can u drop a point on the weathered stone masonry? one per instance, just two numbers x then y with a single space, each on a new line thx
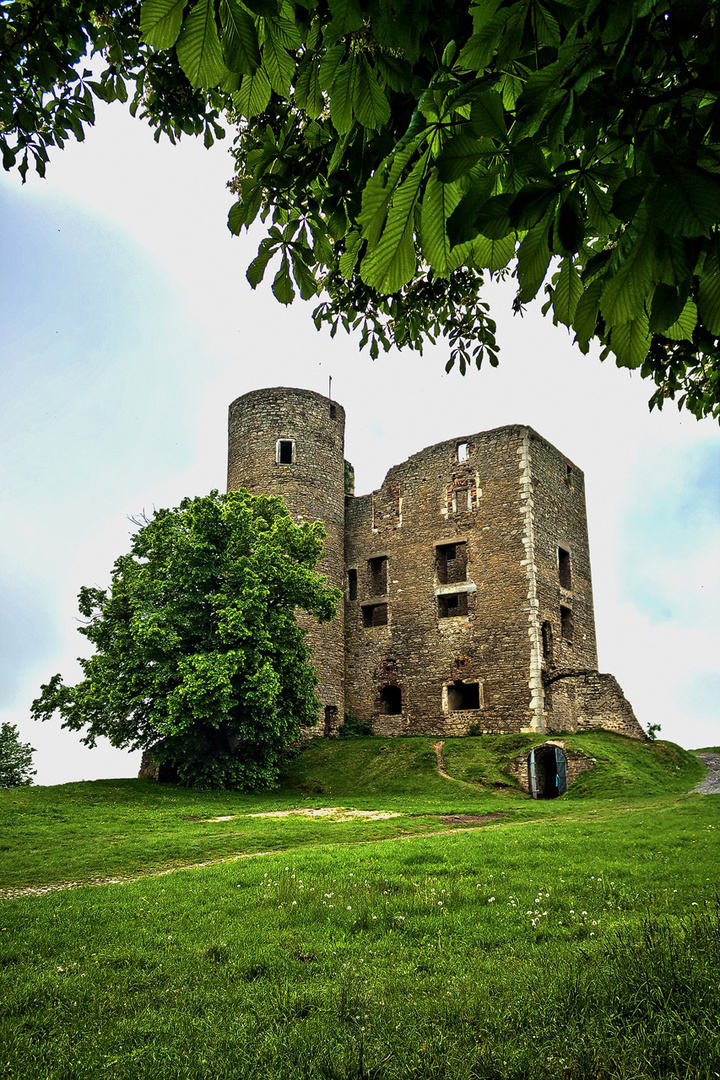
468 596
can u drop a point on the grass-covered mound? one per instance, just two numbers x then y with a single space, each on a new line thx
369 767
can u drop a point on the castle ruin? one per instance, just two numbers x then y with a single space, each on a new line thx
466 576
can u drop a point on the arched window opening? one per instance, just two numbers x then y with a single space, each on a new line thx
391 700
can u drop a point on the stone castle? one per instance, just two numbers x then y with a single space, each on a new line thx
466 577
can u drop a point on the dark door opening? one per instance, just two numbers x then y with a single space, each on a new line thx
548 772
391 700
330 728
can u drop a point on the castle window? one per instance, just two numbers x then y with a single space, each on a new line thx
462 451
332 412
452 604
375 615
451 563
391 701
547 642
564 570
569 476
377 575
352 584
285 451
463 696
566 624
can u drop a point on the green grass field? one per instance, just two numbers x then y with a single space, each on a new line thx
574 938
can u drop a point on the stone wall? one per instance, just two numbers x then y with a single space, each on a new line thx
588 699
454 631
290 443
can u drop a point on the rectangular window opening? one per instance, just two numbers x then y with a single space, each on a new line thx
285 451
377 575
566 624
462 451
451 563
452 604
463 696
564 570
375 615
352 584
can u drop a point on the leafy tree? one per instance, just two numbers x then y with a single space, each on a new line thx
15 759
401 152
198 653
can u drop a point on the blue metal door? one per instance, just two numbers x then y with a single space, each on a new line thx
533 781
561 765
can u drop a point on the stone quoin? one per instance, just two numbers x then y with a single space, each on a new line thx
466 576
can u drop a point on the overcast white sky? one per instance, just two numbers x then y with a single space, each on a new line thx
127 329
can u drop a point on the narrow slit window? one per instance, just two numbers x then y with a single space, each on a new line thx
547 642
564 569
462 451
377 575
566 624
352 584
285 451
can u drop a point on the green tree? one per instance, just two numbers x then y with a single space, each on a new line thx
402 152
15 759
198 653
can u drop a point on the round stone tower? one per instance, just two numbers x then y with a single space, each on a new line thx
290 443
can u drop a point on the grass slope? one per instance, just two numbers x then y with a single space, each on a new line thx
577 938
116 828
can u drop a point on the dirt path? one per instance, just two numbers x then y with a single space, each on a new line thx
711 784
437 747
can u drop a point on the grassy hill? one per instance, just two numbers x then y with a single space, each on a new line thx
574 938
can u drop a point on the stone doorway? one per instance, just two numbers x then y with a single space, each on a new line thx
547 768
331 724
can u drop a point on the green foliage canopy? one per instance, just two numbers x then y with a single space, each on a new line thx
400 152
15 759
198 652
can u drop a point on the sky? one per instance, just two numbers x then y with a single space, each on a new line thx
128 327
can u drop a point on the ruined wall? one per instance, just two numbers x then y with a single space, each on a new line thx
290 443
565 616
437 608
589 700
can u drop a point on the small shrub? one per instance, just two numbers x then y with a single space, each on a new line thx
352 728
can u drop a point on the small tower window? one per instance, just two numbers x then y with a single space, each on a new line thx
566 624
377 575
462 451
564 570
285 451
451 563
452 604
375 615
352 584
